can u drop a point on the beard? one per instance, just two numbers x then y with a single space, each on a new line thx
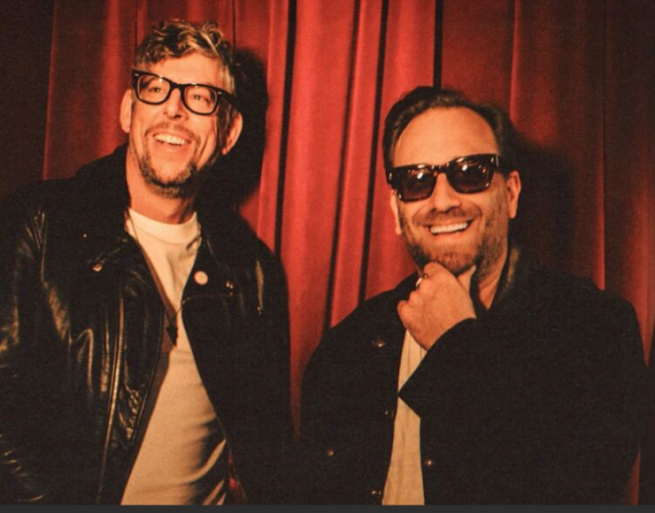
483 253
185 181
184 185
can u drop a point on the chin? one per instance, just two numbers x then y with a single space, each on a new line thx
456 264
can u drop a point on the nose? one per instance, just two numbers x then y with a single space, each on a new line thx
174 107
444 197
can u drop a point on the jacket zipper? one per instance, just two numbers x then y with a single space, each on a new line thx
114 394
144 402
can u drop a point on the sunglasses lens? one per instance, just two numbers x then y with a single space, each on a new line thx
416 184
465 174
470 175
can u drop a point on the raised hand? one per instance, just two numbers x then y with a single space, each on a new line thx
440 301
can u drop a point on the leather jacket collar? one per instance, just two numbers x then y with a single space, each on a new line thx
103 183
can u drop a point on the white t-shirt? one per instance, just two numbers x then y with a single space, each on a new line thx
404 484
181 457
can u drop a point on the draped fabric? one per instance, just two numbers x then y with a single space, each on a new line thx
575 75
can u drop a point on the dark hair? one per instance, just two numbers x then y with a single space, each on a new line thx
424 98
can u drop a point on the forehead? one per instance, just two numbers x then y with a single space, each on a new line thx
191 68
442 134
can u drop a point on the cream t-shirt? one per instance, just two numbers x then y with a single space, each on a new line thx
404 485
181 458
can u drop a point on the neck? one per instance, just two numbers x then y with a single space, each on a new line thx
164 210
149 203
489 280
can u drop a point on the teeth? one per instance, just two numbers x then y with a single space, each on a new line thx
449 228
170 139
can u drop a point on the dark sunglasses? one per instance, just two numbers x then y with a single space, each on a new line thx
469 174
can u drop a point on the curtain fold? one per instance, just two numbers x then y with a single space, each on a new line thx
576 75
629 155
25 38
91 54
408 62
477 49
323 61
556 106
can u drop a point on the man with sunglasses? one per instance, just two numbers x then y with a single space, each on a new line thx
483 378
143 326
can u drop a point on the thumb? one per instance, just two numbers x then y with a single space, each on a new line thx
400 308
464 279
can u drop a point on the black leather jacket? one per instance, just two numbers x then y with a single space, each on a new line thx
80 330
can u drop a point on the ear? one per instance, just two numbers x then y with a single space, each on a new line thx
233 134
393 202
126 111
513 186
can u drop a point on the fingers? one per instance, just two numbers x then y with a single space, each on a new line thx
433 271
410 313
433 268
406 314
439 302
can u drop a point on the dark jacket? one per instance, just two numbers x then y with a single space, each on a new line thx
536 401
647 454
80 332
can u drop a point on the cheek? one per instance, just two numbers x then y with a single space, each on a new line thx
498 213
137 134
210 138
410 216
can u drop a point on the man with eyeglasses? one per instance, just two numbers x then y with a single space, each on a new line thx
143 327
483 378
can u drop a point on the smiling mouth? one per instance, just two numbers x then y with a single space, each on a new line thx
171 139
449 228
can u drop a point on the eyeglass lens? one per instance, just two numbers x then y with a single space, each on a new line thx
197 98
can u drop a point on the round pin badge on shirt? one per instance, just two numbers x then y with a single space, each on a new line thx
201 278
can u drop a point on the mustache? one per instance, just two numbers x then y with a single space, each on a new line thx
174 127
453 214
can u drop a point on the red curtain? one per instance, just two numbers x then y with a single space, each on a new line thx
576 75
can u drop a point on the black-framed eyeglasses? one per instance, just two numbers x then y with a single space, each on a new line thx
200 99
469 174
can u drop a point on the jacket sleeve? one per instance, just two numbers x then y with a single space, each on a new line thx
276 483
558 422
19 298
449 363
